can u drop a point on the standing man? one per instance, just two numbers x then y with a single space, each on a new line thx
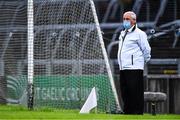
134 52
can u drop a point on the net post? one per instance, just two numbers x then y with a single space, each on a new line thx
105 55
30 38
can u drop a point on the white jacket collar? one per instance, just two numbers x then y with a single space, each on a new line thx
132 28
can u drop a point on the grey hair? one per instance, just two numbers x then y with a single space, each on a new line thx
133 15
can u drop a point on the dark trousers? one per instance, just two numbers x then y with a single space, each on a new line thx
132 91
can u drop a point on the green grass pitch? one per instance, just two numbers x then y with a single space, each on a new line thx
10 112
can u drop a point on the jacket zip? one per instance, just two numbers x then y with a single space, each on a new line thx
120 55
121 48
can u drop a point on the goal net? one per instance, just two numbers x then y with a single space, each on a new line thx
68 58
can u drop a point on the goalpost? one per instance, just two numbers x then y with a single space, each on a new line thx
30 39
105 56
66 56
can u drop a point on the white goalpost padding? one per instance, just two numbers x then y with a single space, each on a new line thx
105 55
30 54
